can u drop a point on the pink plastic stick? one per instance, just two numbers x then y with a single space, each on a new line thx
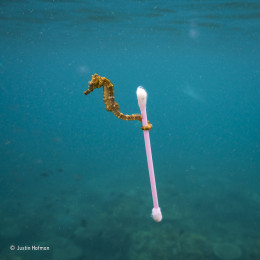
156 212
149 159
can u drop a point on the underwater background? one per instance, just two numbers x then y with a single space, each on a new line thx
74 178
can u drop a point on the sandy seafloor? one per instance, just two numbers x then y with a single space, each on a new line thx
74 178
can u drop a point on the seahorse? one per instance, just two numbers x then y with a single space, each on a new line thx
109 99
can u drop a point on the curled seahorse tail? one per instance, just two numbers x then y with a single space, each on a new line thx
120 115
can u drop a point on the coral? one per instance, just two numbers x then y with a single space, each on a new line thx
227 251
168 242
193 246
67 253
255 251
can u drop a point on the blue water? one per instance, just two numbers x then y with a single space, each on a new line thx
74 178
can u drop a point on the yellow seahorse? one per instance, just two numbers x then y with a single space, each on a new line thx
109 99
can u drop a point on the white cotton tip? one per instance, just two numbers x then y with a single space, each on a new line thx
157 214
141 97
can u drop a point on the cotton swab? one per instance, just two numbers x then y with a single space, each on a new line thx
142 99
112 106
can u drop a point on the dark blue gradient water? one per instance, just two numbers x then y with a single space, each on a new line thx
74 178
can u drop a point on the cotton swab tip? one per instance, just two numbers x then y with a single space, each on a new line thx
141 97
157 214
